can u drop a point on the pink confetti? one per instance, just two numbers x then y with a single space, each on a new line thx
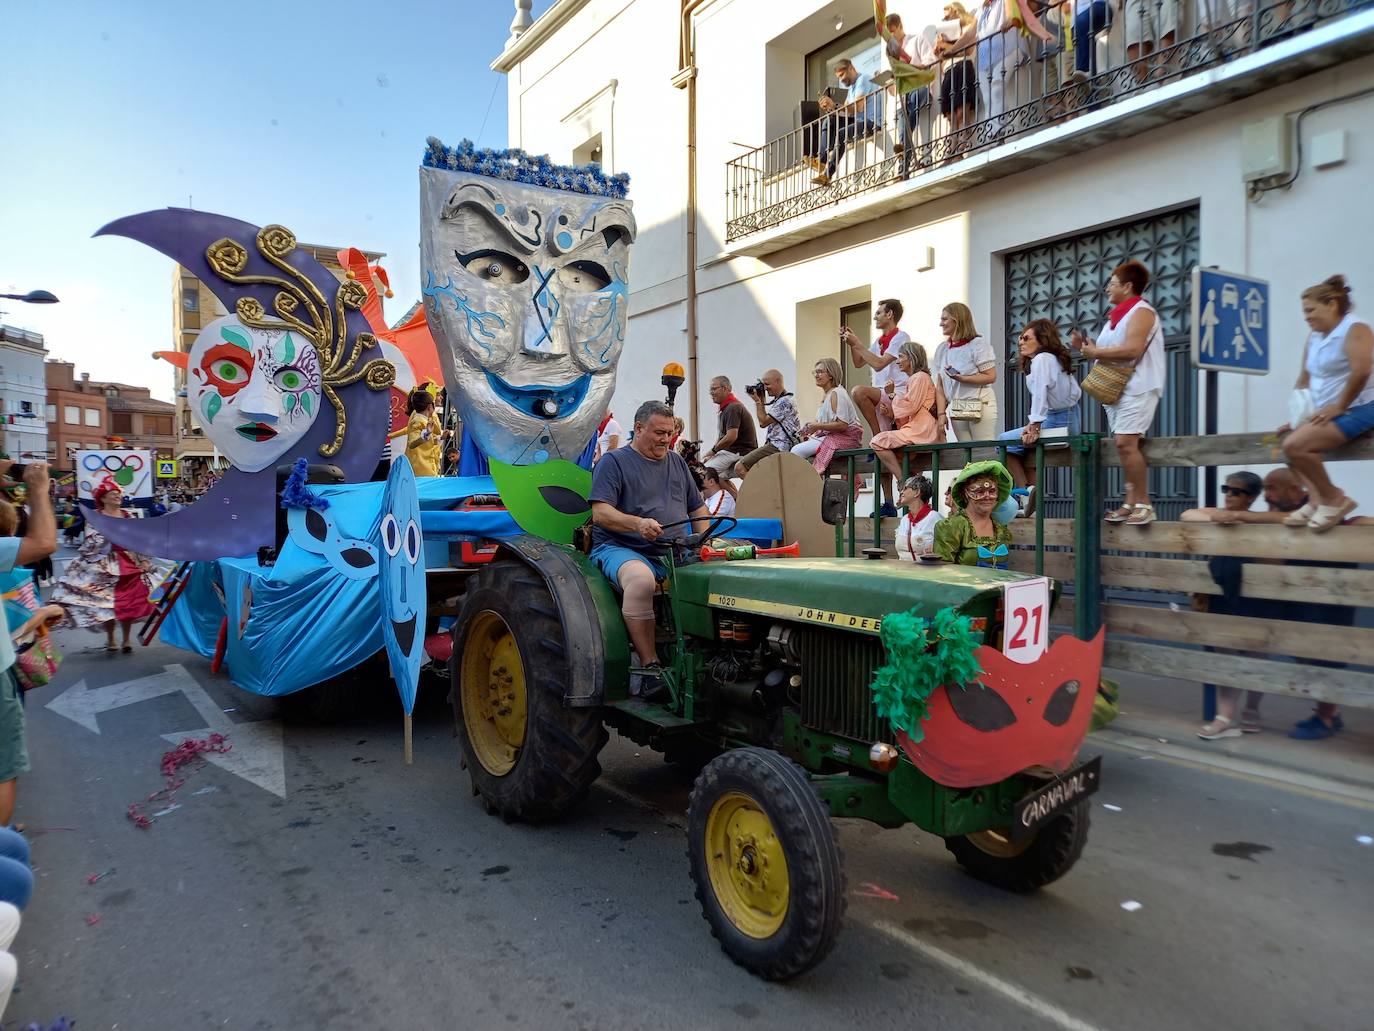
869 890
92 919
190 754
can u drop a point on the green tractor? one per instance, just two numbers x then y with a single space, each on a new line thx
769 664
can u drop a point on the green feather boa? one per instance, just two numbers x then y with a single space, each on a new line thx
922 655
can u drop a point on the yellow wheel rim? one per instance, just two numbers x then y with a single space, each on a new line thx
493 694
998 843
747 866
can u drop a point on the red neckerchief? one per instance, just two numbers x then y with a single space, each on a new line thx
604 423
960 343
912 520
925 511
886 339
729 400
1119 312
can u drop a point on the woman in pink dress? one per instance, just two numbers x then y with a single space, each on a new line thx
105 584
915 412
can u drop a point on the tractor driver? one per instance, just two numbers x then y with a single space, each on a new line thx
638 492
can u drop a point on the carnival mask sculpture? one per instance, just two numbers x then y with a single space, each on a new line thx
526 288
255 392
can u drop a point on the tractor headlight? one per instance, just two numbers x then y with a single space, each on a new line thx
883 757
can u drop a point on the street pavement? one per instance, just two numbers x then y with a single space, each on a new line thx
379 895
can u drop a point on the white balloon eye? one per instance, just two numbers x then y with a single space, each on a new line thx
412 542
391 534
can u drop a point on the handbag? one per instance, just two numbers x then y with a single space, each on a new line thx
37 664
1106 381
966 409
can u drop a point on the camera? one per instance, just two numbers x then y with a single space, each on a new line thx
755 390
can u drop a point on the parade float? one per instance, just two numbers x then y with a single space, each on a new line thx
801 687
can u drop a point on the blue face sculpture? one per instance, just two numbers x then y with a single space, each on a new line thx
402 579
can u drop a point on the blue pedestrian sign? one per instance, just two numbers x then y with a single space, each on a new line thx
1230 322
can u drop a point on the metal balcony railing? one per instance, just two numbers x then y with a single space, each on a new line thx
1000 87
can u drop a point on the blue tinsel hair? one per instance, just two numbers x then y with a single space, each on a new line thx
514 165
295 494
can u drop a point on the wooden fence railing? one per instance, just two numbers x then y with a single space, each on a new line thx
1139 581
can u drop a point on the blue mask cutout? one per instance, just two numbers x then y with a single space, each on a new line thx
404 595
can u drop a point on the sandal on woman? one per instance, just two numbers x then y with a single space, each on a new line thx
1222 726
1329 516
1250 721
1302 516
1119 515
1142 516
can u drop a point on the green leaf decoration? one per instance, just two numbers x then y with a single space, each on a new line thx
124 476
290 403
212 405
306 403
235 338
290 350
921 656
544 499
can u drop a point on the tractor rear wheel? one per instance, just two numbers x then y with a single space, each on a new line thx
529 756
765 861
994 857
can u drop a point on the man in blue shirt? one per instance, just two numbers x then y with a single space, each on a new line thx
861 115
39 542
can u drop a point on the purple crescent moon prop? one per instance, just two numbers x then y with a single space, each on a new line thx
238 515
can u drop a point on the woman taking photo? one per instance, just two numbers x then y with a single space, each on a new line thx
105 584
965 369
971 537
1048 370
1336 369
915 413
424 433
836 427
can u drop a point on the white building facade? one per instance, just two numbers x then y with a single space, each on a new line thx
23 394
1249 156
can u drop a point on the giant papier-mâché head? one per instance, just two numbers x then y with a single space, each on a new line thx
526 289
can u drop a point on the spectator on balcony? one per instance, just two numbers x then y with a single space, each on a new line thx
914 411
888 377
1001 31
959 81
836 426
1131 338
861 115
737 436
918 51
1337 362
915 535
1048 370
965 371
776 411
1090 17
1150 25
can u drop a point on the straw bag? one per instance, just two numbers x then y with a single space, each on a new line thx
1107 381
37 664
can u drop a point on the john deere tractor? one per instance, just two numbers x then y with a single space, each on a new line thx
768 664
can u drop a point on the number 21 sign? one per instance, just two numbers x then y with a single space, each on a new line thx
1026 622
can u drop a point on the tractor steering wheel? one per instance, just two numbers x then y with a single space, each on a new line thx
689 544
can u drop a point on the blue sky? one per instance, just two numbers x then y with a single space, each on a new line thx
265 111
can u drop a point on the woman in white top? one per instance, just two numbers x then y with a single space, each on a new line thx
965 368
1336 368
719 499
916 529
1048 368
836 426
1132 335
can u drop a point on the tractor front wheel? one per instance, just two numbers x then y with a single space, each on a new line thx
994 857
529 756
765 862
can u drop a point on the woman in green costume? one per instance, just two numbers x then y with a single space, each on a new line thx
971 537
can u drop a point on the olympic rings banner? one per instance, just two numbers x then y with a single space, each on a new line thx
131 471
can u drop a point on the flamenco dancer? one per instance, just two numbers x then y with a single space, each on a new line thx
105 584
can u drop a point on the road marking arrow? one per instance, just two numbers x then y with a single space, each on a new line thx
256 755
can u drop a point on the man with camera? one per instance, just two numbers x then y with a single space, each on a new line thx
777 414
736 428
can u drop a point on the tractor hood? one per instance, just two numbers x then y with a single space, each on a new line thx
849 594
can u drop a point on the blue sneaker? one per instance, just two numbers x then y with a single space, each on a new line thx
1314 729
888 511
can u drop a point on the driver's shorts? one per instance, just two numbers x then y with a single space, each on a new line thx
610 557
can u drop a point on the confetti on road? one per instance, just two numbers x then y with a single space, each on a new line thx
206 791
92 919
1364 839
1131 906
170 809
869 890
95 877
1111 808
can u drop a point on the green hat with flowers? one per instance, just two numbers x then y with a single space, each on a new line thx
976 470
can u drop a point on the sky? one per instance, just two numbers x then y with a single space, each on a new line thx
257 110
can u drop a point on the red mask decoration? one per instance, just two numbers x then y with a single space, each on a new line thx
1022 716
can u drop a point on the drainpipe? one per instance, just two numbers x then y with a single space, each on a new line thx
686 78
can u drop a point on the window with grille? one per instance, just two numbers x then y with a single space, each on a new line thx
1065 280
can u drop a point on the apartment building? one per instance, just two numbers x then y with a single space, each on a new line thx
23 394
1240 139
